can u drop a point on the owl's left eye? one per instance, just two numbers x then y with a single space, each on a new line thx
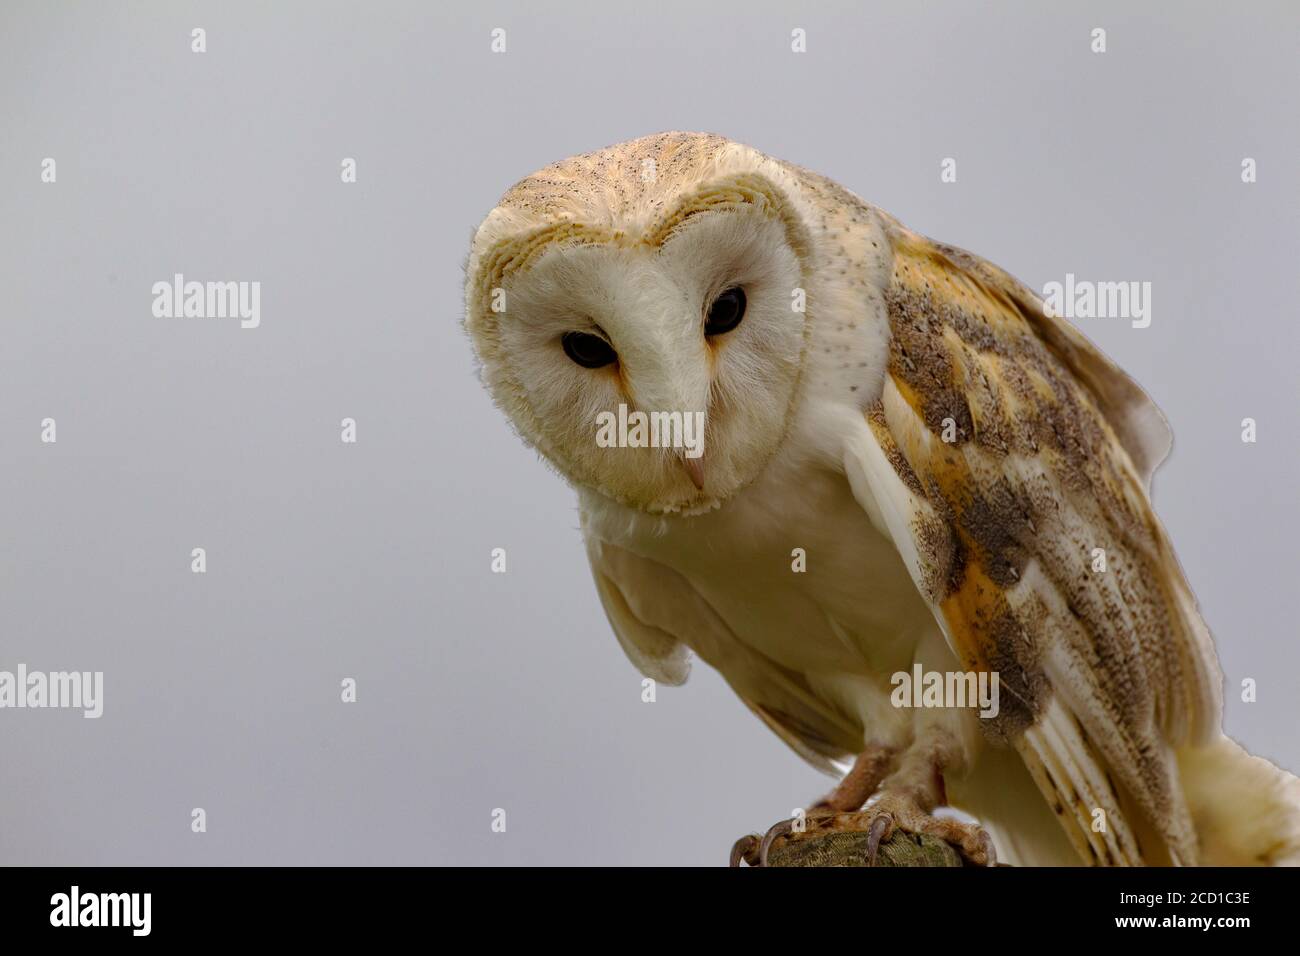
726 312
589 351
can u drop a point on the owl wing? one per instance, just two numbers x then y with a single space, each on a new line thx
656 614
1008 459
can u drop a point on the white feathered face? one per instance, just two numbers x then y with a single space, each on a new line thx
697 328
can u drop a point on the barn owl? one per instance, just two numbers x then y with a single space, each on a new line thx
908 466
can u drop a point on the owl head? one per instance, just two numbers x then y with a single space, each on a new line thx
664 276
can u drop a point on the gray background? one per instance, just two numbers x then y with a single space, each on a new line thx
327 560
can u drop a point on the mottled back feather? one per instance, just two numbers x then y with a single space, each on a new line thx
1008 517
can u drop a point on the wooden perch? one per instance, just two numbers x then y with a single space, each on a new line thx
847 848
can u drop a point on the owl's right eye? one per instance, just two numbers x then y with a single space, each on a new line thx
589 351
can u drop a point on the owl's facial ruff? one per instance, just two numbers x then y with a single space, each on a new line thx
647 292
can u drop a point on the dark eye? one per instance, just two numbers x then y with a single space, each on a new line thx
726 312
589 351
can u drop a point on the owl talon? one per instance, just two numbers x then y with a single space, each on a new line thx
897 811
779 830
880 822
746 848
882 827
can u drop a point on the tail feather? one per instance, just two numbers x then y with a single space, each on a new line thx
1001 794
1246 811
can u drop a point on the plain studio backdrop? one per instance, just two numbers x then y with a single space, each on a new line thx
479 691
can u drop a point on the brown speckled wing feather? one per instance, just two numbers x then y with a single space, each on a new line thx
1050 448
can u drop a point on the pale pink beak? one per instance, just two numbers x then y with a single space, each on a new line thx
695 468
